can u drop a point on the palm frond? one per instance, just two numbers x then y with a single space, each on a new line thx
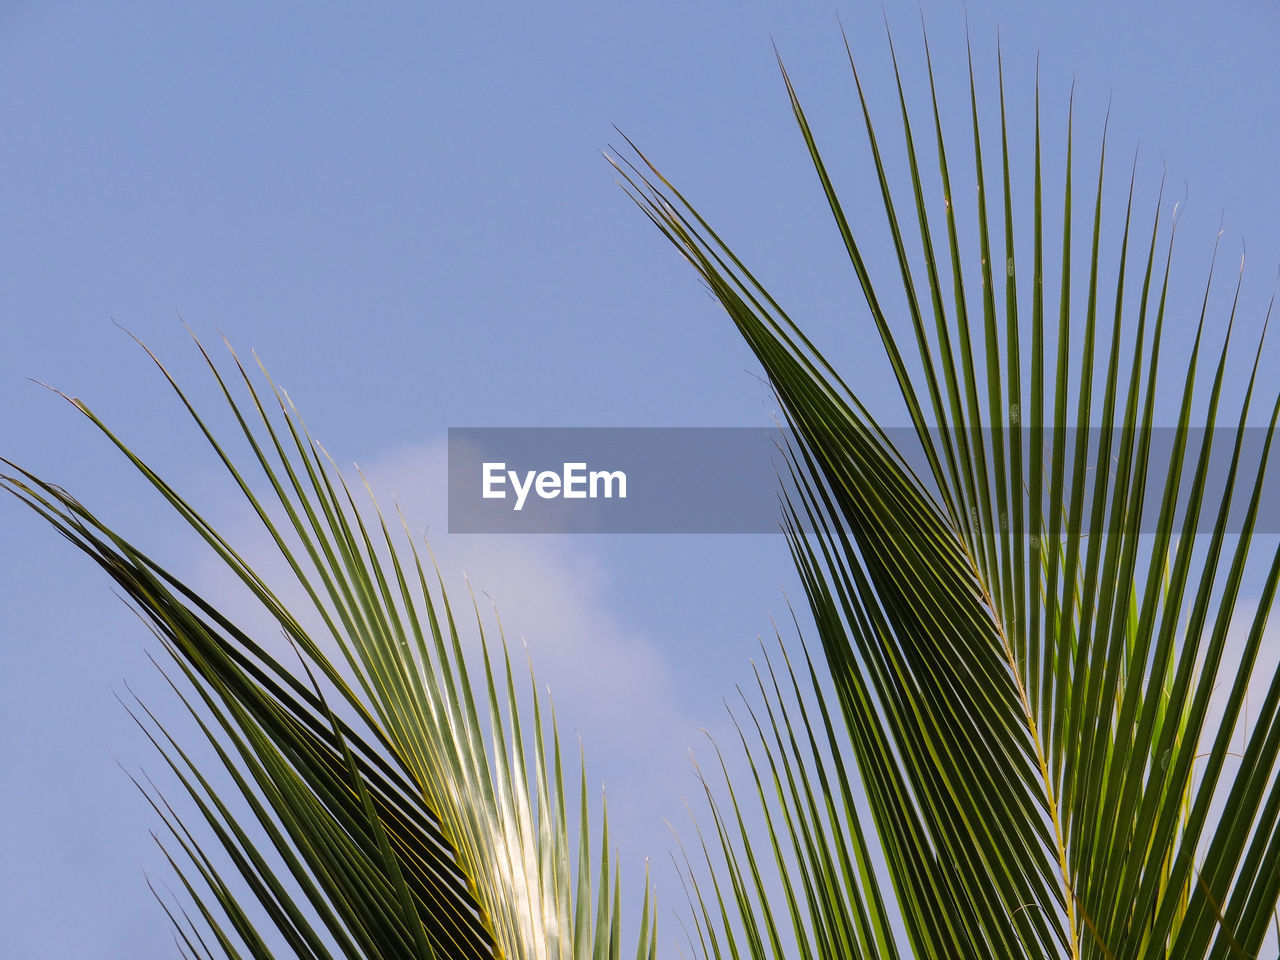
1022 662
1005 747
413 808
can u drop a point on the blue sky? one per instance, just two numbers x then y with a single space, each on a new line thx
405 212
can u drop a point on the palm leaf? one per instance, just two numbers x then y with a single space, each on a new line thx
1003 749
1021 662
412 809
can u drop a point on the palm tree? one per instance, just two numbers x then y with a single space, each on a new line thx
1004 748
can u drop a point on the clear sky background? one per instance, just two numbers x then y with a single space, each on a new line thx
403 209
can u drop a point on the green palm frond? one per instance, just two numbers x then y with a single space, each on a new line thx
1020 665
413 809
996 741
